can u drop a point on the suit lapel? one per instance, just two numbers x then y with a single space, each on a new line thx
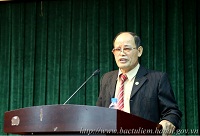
139 80
113 81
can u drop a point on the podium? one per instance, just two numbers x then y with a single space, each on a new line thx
75 119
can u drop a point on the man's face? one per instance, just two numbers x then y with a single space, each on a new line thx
126 60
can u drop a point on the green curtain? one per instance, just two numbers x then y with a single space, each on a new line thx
49 48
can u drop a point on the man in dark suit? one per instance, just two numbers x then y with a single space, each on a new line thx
146 93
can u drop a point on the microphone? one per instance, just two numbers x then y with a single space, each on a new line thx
96 72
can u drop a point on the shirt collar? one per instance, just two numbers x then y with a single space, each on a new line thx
131 74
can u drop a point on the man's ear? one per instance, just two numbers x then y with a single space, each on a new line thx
140 51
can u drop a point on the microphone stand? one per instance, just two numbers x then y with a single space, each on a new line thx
95 73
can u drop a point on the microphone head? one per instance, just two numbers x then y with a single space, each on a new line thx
96 72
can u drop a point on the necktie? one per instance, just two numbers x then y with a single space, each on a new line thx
120 95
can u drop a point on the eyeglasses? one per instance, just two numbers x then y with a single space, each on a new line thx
125 50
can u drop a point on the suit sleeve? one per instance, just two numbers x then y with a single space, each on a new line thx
101 94
167 104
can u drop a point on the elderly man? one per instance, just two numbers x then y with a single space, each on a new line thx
140 91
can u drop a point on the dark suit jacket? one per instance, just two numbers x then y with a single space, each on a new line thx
152 99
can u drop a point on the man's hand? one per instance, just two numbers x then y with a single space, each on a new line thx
168 127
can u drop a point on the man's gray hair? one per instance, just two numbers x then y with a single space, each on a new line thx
135 36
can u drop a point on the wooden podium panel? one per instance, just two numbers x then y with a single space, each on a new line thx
73 119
